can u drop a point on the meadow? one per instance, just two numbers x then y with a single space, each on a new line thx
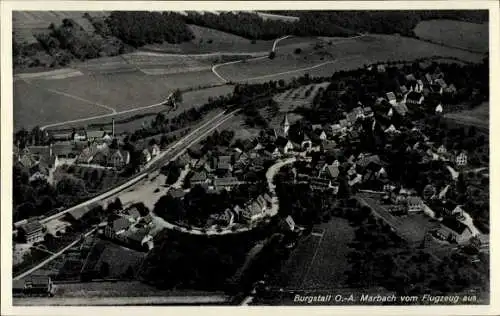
322 58
459 34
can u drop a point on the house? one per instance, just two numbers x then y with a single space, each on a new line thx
454 231
226 183
87 154
306 143
428 78
442 150
224 164
481 242
410 78
101 157
328 145
355 179
415 204
367 112
358 111
176 193
31 232
252 212
199 177
119 159
451 89
61 137
439 109
403 89
391 97
39 285
381 68
414 98
419 86
344 124
154 150
400 108
335 129
80 136
318 127
64 150
114 229
461 159
330 171
320 184
284 145
323 136
392 130
96 135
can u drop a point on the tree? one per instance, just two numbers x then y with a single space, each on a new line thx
298 51
272 55
177 96
104 270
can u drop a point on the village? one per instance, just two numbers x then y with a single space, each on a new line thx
330 157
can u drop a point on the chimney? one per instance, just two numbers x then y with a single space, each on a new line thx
113 127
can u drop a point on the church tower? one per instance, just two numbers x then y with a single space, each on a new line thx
285 125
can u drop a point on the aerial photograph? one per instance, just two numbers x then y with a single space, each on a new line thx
250 158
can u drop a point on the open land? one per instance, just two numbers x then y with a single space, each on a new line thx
325 59
319 261
470 36
478 117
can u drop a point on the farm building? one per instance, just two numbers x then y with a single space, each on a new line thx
31 232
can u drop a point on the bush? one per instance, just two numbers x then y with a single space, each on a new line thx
298 51
272 55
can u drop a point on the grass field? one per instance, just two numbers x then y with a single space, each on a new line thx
36 106
49 101
319 261
209 40
324 59
27 23
471 36
190 100
479 116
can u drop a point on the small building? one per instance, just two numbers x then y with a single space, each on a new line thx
461 159
114 229
481 242
145 155
439 109
403 89
415 204
442 150
400 108
119 159
391 97
199 177
454 231
414 98
367 112
284 145
320 184
226 183
330 171
33 286
31 232
224 164
380 68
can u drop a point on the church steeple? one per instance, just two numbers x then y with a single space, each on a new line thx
285 125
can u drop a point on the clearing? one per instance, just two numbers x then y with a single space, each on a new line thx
459 34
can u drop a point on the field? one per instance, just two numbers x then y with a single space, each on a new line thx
144 116
27 23
469 36
36 106
43 101
324 59
209 40
300 97
319 261
478 116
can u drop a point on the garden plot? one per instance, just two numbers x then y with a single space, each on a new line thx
300 97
